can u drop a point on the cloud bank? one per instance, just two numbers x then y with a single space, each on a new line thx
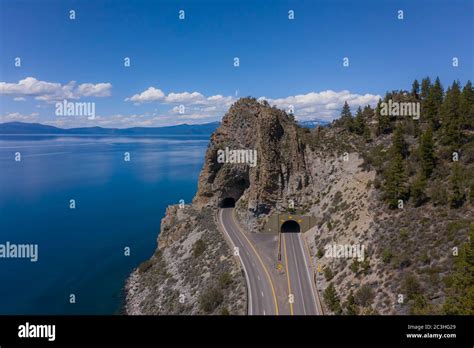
53 91
194 105
170 108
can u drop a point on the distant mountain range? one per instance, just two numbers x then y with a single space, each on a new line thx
182 129
314 123
36 128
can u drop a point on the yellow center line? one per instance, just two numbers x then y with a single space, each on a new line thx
261 261
287 273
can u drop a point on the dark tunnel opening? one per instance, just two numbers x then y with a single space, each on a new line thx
290 226
227 202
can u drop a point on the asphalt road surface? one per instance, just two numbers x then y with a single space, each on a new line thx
299 274
262 297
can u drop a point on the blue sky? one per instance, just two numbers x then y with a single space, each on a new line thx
190 62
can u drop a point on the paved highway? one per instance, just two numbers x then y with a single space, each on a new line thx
262 297
302 293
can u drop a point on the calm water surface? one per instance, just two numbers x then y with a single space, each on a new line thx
119 204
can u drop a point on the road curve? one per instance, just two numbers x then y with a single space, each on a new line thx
299 273
262 297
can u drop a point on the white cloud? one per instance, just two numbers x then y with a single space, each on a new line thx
153 94
97 90
325 104
19 117
53 91
196 105
150 95
185 98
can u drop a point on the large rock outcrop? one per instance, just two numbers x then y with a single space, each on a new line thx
281 167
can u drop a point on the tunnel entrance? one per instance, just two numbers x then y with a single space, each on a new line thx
228 202
290 226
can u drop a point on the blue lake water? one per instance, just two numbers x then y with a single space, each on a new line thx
119 204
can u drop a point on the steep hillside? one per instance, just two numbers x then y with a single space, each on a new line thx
191 272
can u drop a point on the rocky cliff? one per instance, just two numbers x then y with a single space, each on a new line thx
281 167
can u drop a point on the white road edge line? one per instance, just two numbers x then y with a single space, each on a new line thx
311 281
250 309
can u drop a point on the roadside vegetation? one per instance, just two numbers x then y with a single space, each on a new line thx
424 184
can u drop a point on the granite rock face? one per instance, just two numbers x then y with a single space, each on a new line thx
281 165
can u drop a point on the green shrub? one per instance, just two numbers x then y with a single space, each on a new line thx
471 193
320 253
354 267
438 194
328 273
411 286
366 265
225 311
329 225
144 266
387 255
351 306
417 191
364 296
377 183
210 300
199 248
225 279
403 233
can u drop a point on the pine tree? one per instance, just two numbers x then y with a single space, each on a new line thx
432 104
457 196
358 121
399 146
368 114
425 88
351 306
460 285
396 181
360 124
383 121
427 154
415 89
416 128
417 190
332 299
467 106
451 117
346 117
437 92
